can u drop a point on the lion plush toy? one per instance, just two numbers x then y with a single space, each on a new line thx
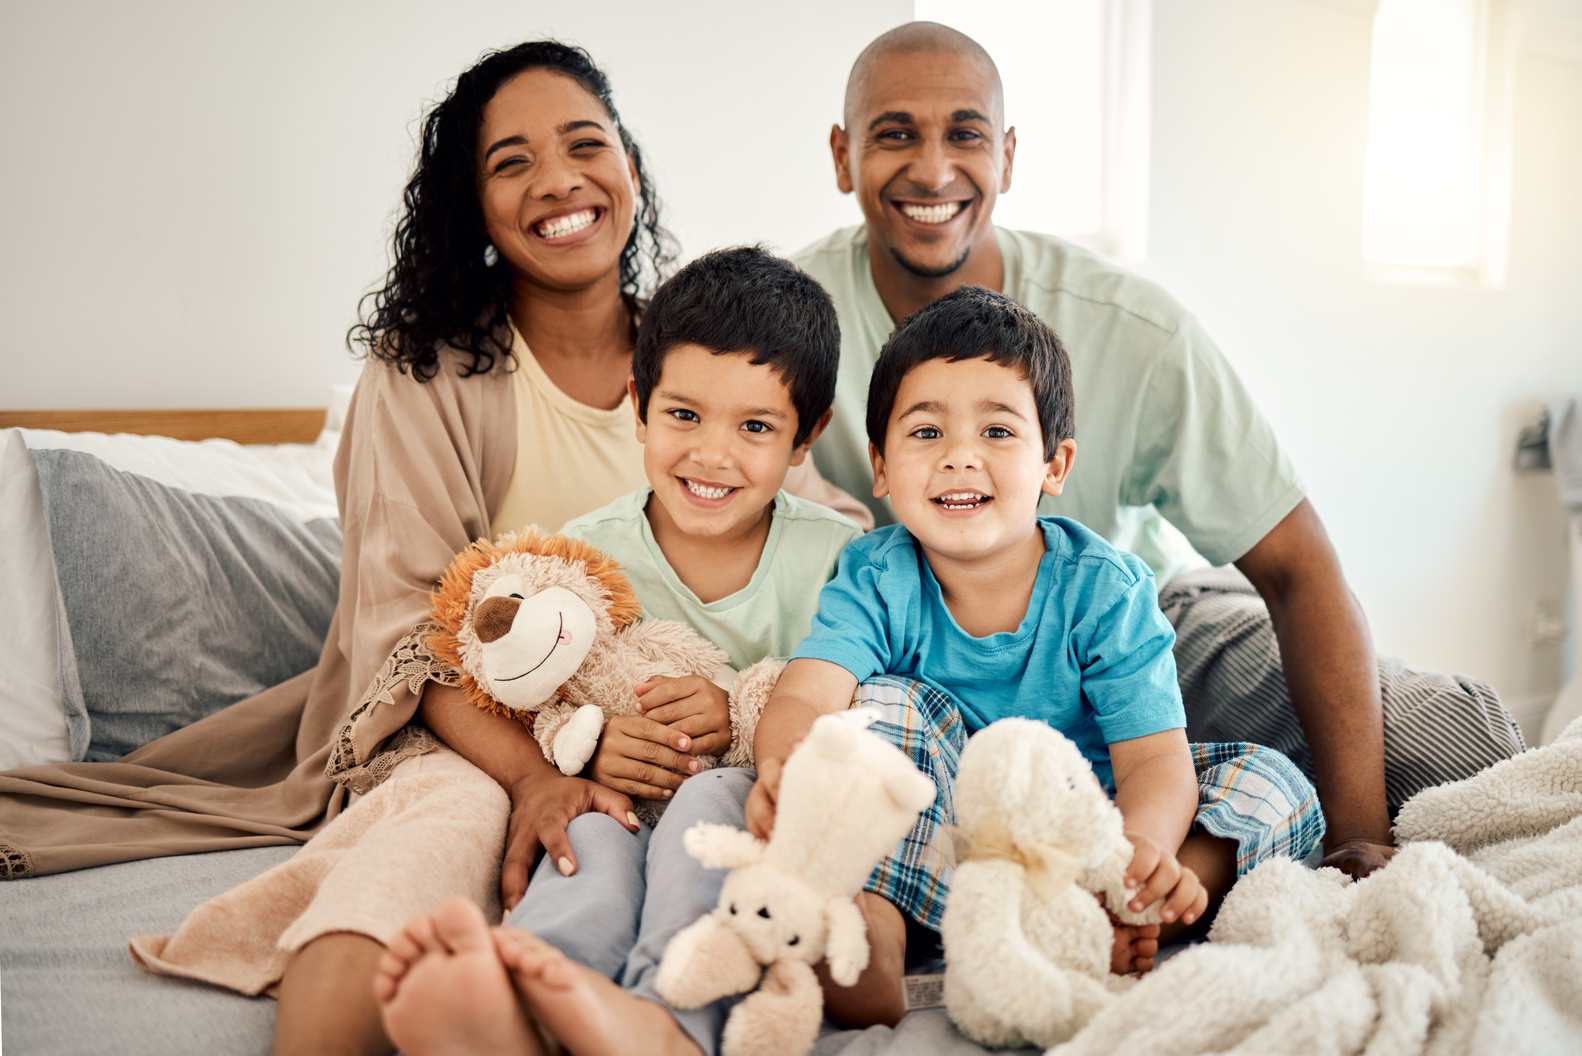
1027 946
846 798
547 630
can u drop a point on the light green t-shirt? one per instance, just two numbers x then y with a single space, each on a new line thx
1164 426
770 615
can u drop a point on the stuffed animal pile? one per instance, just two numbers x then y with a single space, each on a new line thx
1027 946
846 798
546 629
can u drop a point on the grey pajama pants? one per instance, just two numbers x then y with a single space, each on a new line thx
631 893
1437 728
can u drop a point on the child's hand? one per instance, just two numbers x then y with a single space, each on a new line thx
642 758
763 797
691 704
1154 874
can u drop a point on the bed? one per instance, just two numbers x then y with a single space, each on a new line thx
67 984
1491 959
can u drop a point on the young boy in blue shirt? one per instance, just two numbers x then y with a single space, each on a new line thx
974 608
732 380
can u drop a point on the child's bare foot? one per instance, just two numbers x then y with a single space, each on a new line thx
1134 949
1135 944
442 989
584 1011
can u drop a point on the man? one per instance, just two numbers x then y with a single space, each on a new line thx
1172 443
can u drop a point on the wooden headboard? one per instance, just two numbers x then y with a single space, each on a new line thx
271 425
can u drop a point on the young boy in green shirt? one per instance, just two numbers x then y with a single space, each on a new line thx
732 381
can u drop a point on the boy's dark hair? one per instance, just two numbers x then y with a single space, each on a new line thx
748 301
971 322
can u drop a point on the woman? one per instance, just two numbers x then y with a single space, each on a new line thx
494 396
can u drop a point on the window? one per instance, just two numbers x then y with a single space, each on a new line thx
1076 90
1435 199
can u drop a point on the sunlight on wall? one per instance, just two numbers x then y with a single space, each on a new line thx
1420 203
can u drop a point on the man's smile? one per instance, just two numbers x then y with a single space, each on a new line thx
938 213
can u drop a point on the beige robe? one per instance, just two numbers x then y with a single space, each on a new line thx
419 471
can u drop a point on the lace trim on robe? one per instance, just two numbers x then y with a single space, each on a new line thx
412 663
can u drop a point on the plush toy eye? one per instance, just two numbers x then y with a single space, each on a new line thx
733 909
763 911
518 597
794 940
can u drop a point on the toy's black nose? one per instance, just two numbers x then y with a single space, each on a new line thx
763 911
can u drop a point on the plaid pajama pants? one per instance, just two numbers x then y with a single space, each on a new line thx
1246 793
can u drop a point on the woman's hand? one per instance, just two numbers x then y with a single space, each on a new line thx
642 758
542 805
691 704
543 800
1154 874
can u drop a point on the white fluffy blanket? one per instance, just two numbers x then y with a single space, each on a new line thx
1469 941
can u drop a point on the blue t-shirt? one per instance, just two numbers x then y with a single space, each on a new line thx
1092 657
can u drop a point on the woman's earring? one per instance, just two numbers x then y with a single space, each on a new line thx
491 256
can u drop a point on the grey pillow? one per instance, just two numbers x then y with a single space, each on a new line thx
172 604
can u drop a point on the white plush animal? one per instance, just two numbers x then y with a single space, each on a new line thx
1027 946
846 798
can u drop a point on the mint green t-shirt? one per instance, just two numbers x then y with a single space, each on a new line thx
766 618
1172 454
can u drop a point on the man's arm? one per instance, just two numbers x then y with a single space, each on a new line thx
1333 677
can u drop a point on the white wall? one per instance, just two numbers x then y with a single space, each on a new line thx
193 196
1400 404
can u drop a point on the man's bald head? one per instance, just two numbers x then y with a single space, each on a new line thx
919 38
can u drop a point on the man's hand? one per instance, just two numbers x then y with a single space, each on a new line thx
763 797
1154 874
692 705
642 758
1358 858
542 805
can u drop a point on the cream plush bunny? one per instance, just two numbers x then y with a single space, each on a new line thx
1027 946
546 629
846 798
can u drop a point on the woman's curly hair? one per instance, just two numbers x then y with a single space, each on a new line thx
440 291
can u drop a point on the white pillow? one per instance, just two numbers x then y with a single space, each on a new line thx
34 727
32 714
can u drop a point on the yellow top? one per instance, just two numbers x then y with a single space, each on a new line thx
570 458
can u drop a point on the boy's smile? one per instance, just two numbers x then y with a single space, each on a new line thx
963 460
717 443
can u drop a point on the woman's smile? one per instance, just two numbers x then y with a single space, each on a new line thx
560 227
